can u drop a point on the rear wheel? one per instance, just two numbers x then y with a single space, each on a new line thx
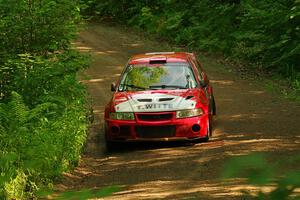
213 105
209 131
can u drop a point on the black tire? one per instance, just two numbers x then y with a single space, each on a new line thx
213 105
206 139
111 146
209 128
209 132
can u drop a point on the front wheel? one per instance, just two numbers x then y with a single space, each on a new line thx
110 146
209 132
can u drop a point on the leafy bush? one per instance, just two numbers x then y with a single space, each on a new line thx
42 133
259 171
37 26
42 105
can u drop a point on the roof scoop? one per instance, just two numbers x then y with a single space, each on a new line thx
159 53
158 60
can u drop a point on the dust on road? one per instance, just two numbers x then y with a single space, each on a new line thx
248 120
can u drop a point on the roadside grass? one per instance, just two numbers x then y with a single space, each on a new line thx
286 88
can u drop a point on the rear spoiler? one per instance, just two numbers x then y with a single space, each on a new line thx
159 53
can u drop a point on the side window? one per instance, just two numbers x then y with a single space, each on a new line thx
202 74
198 70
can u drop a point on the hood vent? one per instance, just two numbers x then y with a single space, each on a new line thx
165 99
189 97
144 100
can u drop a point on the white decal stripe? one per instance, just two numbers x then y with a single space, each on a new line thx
133 105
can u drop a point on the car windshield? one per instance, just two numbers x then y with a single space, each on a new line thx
157 76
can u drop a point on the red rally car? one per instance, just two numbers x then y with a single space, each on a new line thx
160 96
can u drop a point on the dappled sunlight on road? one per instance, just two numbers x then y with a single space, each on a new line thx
161 162
83 48
96 80
222 82
105 52
132 44
257 92
248 120
243 116
188 190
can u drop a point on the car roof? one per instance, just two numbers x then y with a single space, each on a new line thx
160 56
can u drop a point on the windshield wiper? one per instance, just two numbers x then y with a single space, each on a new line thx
133 86
167 86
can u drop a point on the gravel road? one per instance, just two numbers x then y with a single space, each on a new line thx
249 119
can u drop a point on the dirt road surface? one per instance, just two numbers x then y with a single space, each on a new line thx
249 119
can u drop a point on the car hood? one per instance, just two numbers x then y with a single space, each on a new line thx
155 101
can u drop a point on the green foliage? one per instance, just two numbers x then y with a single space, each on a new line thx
259 171
37 26
20 187
263 33
45 140
42 105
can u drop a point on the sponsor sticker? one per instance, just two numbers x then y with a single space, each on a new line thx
154 106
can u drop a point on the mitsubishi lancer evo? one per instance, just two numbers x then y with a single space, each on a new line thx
161 96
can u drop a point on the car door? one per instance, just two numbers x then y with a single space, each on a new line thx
204 82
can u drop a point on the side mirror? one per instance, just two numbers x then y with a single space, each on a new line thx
113 87
204 80
203 83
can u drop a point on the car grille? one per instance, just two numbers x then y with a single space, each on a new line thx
155 117
155 131
125 131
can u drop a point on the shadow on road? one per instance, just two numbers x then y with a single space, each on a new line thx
142 146
248 120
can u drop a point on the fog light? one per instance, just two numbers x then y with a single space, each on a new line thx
115 130
196 128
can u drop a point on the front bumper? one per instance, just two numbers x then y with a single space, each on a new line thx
157 130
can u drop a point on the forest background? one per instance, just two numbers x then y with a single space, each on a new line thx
43 107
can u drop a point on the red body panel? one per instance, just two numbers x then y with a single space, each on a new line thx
162 122
183 128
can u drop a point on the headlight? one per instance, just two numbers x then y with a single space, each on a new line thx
121 116
189 113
